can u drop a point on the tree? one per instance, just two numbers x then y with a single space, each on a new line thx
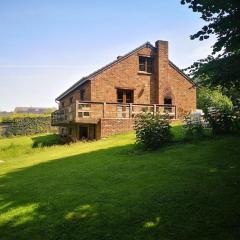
222 67
207 98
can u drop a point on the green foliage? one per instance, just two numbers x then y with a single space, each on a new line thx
27 125
222 18
46 140
223 21
23 115
223 121
194 127
207 98
152 130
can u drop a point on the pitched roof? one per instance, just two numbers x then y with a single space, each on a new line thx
120 58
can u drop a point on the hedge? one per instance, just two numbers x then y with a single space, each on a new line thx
15 126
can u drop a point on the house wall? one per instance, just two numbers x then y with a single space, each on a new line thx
125 74
110 127
182 92
165 81
76 95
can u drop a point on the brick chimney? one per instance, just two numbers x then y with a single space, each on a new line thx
161 69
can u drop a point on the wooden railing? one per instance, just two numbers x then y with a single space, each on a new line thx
91 112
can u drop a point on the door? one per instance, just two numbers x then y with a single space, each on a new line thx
123 98
83 132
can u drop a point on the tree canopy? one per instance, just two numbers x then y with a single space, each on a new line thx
222 19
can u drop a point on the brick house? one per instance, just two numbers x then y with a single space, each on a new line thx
106 101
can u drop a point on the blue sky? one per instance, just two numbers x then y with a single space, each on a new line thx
47 45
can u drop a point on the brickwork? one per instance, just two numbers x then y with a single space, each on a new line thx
125 74
182 91
166 81
115 126
75 95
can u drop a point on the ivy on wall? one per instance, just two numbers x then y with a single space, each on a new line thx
26 125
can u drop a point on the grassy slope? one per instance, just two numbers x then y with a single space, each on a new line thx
101 190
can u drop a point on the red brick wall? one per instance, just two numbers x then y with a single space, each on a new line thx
109 127
161 65
125 74
148 88
76 95
183 92
166 81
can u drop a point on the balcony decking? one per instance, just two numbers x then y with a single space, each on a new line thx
91 112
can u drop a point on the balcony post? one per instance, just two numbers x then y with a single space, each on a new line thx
154 109
104 109
130 110
76 110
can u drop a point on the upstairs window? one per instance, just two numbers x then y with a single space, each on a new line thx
62 104
71 100
145 64
82 95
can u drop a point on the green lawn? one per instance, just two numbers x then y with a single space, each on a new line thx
105 190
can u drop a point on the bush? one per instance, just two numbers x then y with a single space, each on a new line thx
16 126
152 130
236 119
223 121
207 98
194 127
46 141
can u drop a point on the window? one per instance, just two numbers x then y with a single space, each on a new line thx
129 96
71 100
145 64
82 94
168 104
124 96
119 96
149 65
62 104
84 114
142 64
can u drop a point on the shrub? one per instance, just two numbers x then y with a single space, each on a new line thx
27 125
236 119
223 121
194 127
46 140
207 98
152 130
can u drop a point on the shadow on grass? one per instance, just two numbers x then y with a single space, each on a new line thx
46 141
108 194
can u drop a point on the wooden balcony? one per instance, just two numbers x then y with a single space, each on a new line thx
92 112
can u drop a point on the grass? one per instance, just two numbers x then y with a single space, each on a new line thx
102 190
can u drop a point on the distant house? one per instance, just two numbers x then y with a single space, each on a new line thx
32 110
106 101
